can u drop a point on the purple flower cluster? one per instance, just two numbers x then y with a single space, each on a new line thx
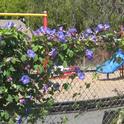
90 33
89 54
54 86
31 53
102 27
59 35
9 79
45 88
22 101
9 25
19 119
25 79
72 32
53 53
79 73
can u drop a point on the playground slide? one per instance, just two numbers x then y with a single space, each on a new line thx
113 64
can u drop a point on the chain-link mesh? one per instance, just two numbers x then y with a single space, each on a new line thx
94 98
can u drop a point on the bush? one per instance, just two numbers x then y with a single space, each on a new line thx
25 71
26 67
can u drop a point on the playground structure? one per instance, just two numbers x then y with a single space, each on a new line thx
113 64
44 15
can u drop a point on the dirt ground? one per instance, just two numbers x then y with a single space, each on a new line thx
94 86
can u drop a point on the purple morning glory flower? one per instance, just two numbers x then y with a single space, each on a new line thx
53 52
25 79
37 33
72 30
77 69
9 25
93 38
42 30
81 75
68 34
48 31
61 36
62 39
106 26
31 53
9 79
60 33
52 32
89 31
89 54
22 101
61 28
85 35
19 120
100 27
45 88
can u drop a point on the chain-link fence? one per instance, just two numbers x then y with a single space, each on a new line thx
94 100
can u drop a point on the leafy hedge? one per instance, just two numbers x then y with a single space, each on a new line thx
26 67
25 71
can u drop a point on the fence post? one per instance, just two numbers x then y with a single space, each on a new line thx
45 21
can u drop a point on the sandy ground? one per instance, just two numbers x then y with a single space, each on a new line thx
94 86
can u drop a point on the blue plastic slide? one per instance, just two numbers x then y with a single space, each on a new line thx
113 64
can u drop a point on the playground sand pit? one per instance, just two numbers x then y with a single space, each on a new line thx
94 86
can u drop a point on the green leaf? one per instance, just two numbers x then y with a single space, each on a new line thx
41 68
65 64
2 43
36 58
9 98
5 114
36 66
65 46
70 53
95 76
87 85
16 98
6 73
75 94
11 121
12 69
14 60
50 102
3 89
35 48
23 58
66 86
61 57
50 44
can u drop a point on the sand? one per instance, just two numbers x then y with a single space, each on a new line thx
94 86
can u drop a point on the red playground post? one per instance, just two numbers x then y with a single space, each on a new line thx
45 20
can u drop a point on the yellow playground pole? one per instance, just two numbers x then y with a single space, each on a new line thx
45 21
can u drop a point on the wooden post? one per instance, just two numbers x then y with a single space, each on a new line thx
107 75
